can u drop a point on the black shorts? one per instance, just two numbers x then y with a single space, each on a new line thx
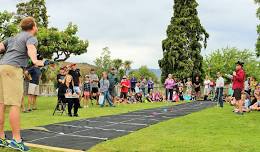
94 90
112 92
237 94
197 89
123 95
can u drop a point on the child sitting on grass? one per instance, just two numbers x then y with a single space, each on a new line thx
256 106
151 96
131 98
175 97
245 97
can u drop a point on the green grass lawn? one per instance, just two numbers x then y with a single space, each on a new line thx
211 130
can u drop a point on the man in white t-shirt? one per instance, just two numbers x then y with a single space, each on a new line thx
220 86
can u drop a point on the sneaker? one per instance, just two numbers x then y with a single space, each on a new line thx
18 146
239 113
3 143
76 115
70 115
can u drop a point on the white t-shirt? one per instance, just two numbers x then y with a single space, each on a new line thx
220 82
206 83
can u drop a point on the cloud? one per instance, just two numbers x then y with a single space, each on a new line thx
134 29
229 23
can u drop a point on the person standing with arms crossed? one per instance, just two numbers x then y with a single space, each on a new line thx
17 51
238 85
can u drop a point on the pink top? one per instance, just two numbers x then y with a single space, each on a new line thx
169 83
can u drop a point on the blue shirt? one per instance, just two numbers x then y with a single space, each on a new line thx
150 84
35 73
133 82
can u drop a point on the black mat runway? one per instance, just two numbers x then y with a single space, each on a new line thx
85 133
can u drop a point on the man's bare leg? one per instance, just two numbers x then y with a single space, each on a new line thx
2 120
29 101
15 122
34 102
240 106
23 105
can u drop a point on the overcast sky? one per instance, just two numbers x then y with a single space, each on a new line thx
134 29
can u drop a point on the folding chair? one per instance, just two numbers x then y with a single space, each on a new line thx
60 107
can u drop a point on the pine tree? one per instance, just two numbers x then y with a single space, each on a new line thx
258 30
182 47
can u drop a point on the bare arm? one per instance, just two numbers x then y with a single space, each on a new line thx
61 81
32 53
27 75
2 48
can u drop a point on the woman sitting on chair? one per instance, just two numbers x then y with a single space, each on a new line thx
66 94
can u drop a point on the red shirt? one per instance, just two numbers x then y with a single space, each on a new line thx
125 86
239 79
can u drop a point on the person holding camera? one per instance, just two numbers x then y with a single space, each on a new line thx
68 95
17 51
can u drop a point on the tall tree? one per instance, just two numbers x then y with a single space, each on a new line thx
258 30
117 63
59 45
224 60
182 47
104 62
34 8
127 65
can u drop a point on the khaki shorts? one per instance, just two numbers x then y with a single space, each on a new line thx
11 85
33 89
